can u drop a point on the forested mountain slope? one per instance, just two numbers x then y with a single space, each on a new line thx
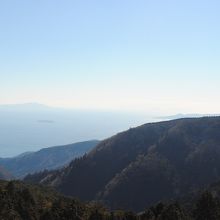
141 166
4 174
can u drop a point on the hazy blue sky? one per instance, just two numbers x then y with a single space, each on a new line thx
145 55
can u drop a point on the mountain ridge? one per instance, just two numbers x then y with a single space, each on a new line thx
170 158
47 158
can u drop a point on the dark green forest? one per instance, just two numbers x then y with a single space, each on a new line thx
19 201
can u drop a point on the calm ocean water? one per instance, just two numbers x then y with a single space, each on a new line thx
23 131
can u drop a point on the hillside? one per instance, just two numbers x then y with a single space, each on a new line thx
4 174
141 166
47 158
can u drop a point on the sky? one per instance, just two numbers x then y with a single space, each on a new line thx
122 55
